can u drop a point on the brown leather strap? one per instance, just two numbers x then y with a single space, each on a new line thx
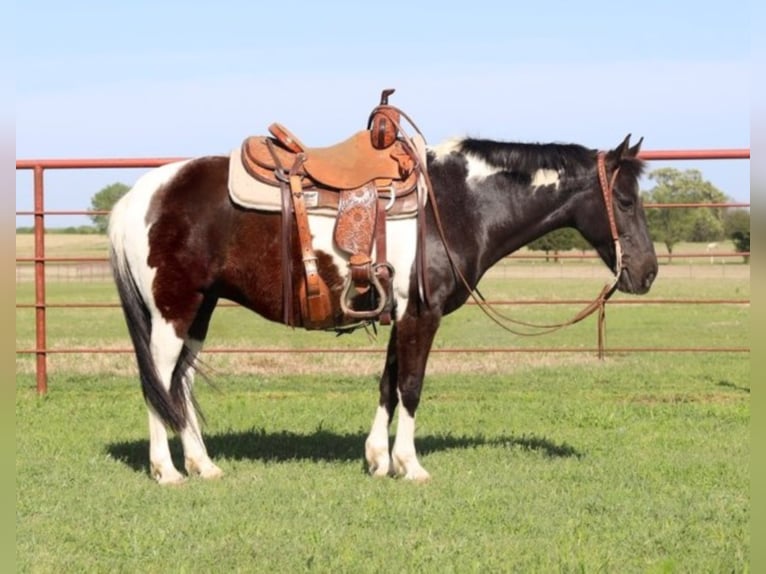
316 305
598 304
304 233
607 189
381 263
601 328
288 313
288 309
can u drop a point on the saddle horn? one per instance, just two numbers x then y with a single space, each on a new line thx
384 96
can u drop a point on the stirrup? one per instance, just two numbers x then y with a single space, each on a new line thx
346 296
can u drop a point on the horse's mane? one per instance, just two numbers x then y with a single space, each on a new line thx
528 157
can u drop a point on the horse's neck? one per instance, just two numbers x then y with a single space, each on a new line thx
531 214
505 219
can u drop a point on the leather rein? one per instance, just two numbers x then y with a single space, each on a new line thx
503 321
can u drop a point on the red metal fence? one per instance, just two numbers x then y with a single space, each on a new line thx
39 260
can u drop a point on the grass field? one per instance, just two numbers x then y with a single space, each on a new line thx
639 464
544 462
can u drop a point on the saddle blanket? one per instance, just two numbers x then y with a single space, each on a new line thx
248 192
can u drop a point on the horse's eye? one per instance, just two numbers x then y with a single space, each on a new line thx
625 202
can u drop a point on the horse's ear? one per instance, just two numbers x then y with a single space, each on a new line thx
623 149
633 152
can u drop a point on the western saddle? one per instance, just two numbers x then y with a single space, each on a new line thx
369 176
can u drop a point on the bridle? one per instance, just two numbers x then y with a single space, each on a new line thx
503 321
598 304
607 189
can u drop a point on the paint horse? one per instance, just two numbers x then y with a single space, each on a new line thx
179 244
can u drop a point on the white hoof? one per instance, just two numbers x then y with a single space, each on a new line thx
383 469
378 459
167 476
409 468
205 469
418 475
212 472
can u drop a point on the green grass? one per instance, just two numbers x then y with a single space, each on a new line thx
637 464
548 462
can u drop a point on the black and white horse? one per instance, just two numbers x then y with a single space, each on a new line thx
179 244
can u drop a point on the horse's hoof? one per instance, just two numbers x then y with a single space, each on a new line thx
171 480
166 475
411 470
211 473
380 471
420 477
207 470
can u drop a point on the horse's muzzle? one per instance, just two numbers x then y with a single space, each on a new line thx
628 284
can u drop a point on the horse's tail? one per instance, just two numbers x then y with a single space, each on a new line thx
171 406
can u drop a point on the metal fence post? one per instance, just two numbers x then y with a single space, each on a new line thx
41 351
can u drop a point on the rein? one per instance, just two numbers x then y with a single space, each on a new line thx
598 304
500 319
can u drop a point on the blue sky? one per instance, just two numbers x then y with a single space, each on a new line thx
146 79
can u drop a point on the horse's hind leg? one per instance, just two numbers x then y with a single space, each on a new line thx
171 353
196 459
166 349
175 358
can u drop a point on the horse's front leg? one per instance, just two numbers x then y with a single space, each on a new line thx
376 446
413 344
402 381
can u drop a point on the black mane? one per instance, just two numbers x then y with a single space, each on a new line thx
528 157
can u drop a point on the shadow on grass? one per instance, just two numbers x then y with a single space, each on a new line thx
734 387
323 445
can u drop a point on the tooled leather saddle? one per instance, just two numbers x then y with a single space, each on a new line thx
372 175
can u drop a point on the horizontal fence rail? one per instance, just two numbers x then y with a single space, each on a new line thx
38 262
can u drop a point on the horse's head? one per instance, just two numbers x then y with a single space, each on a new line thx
621 171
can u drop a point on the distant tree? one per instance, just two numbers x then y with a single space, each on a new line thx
74 230
672 225
104 200
557 241
705 226
580 243
736 224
